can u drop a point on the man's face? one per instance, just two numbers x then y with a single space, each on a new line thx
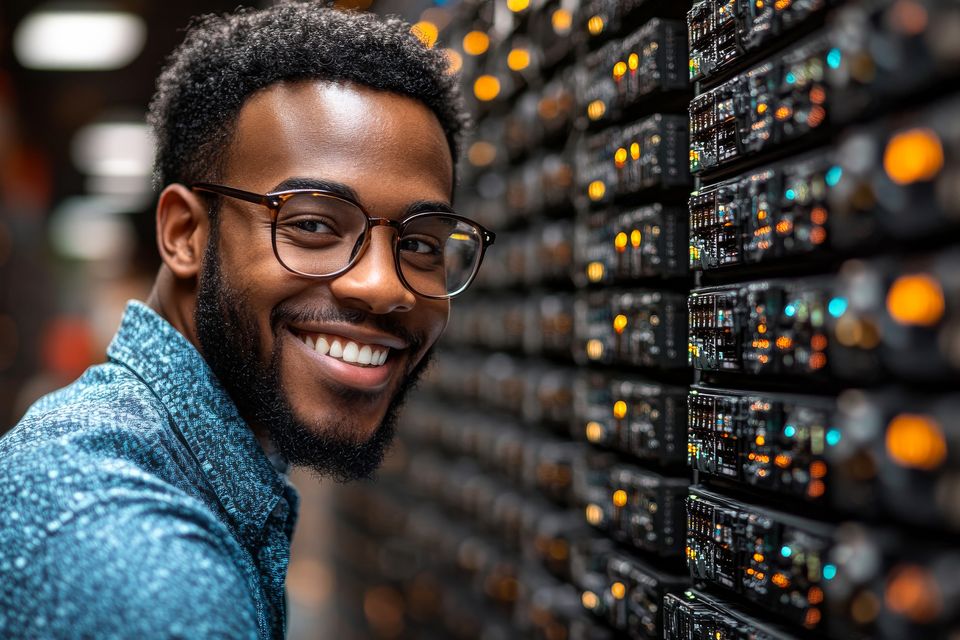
254 317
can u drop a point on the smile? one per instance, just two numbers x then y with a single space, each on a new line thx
350 351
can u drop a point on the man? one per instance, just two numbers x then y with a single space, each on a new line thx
306 159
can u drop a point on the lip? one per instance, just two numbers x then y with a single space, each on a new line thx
343 373
354 333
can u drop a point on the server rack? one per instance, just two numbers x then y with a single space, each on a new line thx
706 385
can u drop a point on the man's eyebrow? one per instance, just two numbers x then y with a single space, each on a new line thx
336 188
344 191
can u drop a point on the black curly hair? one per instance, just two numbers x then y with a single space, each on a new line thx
226 58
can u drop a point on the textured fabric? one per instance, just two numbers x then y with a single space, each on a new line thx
137 503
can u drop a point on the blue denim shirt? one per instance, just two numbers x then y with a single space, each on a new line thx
137 503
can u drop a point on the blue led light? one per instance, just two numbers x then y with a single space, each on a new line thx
829 571
833 176
791 194
786 551
790 310
833 58
837 307
789 431
791 78
833 437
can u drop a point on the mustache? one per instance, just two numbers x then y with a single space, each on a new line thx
288 314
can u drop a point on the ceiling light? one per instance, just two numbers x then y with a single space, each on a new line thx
79 40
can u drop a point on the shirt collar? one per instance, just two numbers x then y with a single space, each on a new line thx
245 481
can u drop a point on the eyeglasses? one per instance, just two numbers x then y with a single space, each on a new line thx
317 234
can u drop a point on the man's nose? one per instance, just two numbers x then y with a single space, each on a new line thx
373 284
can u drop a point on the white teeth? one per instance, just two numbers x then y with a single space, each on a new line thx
364 356
322 346
350 352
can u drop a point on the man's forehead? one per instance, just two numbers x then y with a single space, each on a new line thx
343 121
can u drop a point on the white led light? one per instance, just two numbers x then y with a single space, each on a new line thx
79 40
113 149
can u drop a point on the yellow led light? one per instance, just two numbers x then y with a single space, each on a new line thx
635 150
635 238
518 59
594 432
426 31
619 498
633 61
486 88
596 190
762 108
562 20
589 600
620 157
594 514
618 590
517 5
596 109
620 323
619 70
620 407
594 349
595 25
595 271
476 43
620 242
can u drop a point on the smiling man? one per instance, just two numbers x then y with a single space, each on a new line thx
306 159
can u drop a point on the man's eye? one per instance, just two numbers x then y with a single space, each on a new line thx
310 225
420 245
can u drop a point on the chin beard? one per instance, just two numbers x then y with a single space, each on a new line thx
230 343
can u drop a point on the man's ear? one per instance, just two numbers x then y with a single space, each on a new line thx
183 226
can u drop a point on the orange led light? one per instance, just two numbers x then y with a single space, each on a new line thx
620 157
782 113
635 238
818 342
818 360
594 349
815 595
620 242
562 20
518 59
618 590
476 43
818 215
426 32
818 469
596 109
593 514
633 61
595 271
784 227
486 88
784 343
595 25
619 409
913 155
818 235
782 460
916 441
760 440
620 323
589 600
596 190
619 70
594 432
619 498
812 618
916 299
517 5
914 593
635 151
761 328
780 580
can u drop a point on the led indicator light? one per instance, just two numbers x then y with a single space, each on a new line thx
833 437
837 307
786 551
833 176
790 310
829 571
834 57
789 431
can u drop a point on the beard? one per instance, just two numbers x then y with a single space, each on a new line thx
230 342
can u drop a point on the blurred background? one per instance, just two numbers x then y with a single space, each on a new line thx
707 384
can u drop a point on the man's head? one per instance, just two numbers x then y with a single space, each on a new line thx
291 97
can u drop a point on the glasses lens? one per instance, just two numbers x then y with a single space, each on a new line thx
318 234
439 254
